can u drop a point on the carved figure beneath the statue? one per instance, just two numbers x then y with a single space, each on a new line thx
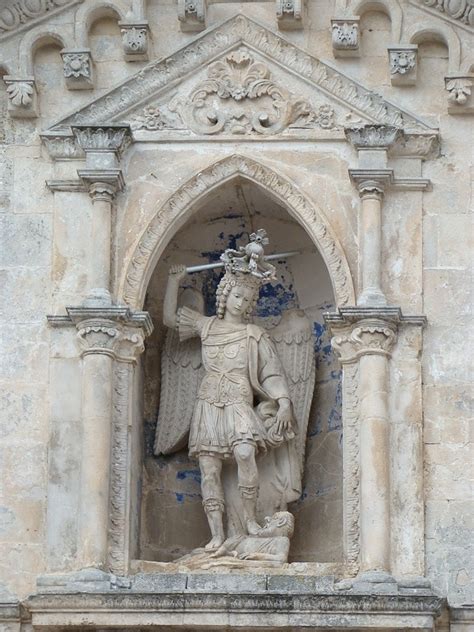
243 395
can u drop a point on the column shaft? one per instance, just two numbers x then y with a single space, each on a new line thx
95 473
99 270
370 235
374 463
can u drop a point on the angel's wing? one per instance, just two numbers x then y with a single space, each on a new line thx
293 338
181 374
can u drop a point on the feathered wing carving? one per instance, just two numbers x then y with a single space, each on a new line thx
293 338
181 374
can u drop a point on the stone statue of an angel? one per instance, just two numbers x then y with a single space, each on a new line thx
242 394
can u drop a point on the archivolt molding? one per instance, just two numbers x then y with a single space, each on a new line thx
33 39
441 32
87 14
178 208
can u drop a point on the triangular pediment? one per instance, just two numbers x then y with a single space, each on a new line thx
240 60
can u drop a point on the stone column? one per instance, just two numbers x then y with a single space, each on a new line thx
111 338
371 177
103 177
368 342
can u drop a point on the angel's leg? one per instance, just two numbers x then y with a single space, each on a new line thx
247 474
213 498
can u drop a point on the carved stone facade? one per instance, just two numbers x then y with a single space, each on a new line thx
136 136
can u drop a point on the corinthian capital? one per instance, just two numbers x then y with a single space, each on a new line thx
372 136
366 337
104 145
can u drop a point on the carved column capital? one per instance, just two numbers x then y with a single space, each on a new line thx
103 145
192 15
372 136
135 37
130 344
365 337
102 191
22 96
99 336
371 183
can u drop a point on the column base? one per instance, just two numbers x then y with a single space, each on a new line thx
98 297
372 298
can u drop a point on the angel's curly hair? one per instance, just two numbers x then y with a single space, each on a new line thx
225 286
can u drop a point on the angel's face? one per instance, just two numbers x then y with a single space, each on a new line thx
239 300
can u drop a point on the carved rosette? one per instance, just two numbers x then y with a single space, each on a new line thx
460 97
192 15
22 97
365 337
289 14
239 97
345 37
77 69
403 65
135 37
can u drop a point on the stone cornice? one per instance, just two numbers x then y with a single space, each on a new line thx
161 74
124 315
350 315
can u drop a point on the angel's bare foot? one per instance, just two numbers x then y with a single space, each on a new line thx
253 527
216 542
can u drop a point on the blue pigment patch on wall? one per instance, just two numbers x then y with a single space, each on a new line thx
181 497
322 345
194 475
274 299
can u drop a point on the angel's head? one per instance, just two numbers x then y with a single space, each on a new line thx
237 293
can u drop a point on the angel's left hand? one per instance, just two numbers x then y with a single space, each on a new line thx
284 416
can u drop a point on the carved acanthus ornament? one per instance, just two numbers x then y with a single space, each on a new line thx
372 136
98 336
403 62
239 97
62 146
345 37
192 15
290 14
135 37
22 97
77 69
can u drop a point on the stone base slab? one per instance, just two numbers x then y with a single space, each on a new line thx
223 610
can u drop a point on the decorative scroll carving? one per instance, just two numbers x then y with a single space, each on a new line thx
22 97
248 100
345 37
77 69
403 62
462 10
156 76
187 195
18 14
135 40
289 14
192 15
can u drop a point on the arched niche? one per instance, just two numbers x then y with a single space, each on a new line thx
172 518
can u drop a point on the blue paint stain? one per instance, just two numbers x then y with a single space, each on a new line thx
194 475
274 299
182 496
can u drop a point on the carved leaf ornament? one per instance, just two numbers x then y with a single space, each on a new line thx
20 93
462 10
236 80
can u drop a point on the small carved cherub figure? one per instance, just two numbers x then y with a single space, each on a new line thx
271 543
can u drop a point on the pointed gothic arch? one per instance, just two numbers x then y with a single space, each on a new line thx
171 215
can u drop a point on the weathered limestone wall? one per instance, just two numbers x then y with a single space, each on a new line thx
46 242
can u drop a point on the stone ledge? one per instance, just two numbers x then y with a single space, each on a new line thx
261 611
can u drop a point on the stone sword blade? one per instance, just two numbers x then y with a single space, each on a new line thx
220 264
